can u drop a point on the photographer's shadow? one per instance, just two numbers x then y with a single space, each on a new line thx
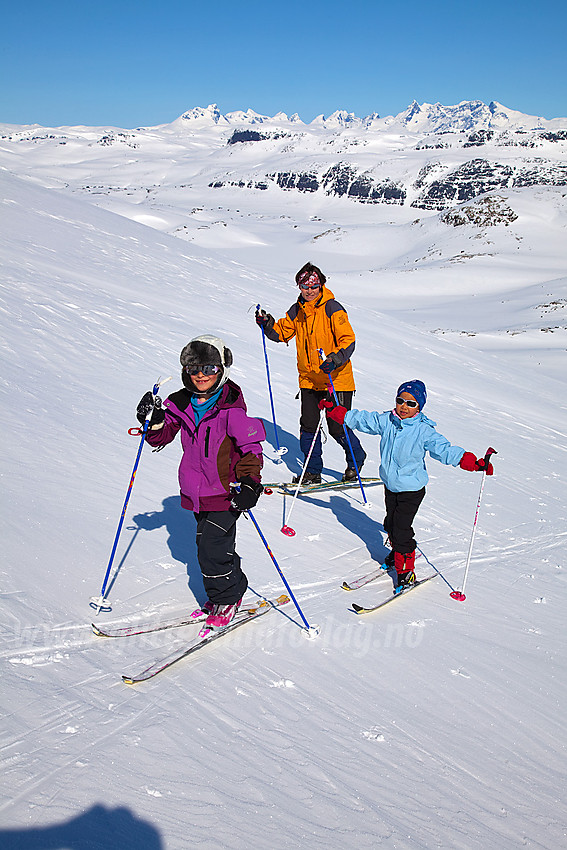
181 527
98 828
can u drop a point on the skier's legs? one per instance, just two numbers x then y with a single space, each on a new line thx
223 578
308 423
401 509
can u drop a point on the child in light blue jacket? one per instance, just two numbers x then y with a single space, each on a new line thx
406 435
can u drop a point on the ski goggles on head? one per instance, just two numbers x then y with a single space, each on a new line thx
310 281
207 369
408 402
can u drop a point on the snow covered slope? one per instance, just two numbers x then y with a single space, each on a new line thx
431 724
404 206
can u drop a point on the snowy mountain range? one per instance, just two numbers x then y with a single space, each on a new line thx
431 724
468 116
428 157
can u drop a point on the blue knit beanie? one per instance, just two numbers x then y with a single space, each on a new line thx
416 389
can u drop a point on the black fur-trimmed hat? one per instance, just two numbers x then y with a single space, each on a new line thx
202 351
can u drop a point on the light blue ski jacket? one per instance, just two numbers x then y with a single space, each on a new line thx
403 445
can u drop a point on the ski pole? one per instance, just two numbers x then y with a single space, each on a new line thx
439 573
286 528
309 631
279 451
332 386
459 595
99 602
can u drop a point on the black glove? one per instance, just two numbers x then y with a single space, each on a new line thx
265 320
249 493
332 362
146 403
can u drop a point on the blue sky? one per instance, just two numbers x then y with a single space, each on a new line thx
143 63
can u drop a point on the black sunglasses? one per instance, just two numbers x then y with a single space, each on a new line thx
409 402
206 369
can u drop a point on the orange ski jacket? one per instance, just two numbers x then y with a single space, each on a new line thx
318 324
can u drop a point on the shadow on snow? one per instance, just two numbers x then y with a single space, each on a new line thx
99 828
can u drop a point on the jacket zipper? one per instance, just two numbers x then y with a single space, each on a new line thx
309 334
207 441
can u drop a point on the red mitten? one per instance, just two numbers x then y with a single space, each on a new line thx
468 462
336 413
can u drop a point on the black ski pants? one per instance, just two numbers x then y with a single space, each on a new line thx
401 509
223 578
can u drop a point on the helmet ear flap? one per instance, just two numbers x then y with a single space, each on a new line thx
186 381
227 356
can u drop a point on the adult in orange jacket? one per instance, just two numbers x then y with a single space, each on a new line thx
318 321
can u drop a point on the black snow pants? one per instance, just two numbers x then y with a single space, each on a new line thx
401 509
223 578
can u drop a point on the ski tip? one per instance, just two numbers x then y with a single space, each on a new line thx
128 681
97 631
345 586
357 608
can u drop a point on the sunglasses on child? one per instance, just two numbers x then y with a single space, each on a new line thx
408 402
206 369
309 285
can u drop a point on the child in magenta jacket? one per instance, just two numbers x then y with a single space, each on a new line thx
221 445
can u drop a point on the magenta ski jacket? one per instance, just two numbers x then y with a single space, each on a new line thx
224 447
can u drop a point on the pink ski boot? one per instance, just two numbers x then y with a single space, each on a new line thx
220 617
199 613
